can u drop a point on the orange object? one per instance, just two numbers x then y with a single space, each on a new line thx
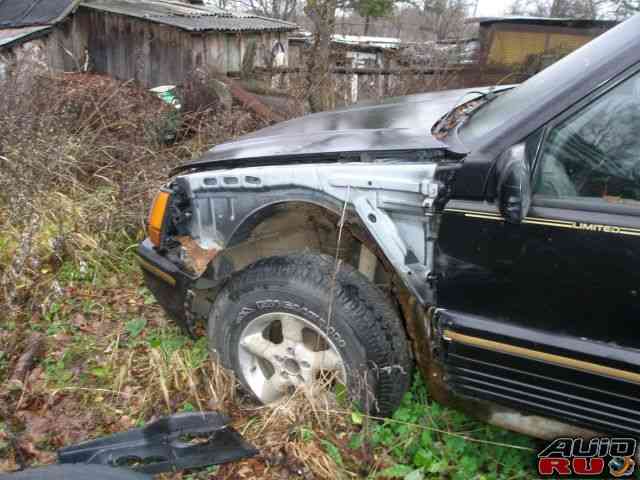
156 217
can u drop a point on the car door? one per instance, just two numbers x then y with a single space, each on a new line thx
579 247
550 323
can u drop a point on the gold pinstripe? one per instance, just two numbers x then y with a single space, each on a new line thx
486 217
549 222
590 367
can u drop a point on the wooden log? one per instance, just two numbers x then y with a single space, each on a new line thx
251 102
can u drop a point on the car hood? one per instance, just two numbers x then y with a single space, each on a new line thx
398 124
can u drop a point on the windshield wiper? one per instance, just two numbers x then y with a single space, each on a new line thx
461 112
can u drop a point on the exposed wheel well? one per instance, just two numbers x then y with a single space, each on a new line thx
295 227
287 228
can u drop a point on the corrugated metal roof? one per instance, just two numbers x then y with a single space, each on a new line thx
359 42
9 36
380 42
24 13
190 17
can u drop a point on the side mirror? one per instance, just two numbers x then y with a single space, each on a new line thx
514 184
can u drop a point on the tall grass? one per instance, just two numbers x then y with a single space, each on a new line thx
80 159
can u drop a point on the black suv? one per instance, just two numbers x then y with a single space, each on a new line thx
492 236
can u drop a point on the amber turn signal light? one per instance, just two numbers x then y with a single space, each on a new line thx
156 217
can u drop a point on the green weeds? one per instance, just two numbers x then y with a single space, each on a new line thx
426 440
114 349
135 326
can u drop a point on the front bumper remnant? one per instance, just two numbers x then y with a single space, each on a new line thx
177 442
167 282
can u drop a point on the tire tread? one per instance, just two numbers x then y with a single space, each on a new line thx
374 321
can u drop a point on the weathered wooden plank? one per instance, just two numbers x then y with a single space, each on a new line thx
370 71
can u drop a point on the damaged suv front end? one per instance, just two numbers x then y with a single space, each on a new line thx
362 185
201 221
463 230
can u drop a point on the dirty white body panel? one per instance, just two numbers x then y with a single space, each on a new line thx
393 201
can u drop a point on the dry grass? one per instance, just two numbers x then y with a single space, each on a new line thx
80 158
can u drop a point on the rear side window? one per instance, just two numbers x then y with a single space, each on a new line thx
594 156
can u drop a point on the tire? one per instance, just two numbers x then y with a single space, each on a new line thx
364 329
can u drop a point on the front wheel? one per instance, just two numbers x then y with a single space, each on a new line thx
292 321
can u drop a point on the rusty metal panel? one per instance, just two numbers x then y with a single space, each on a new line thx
510 48
559 41
512 44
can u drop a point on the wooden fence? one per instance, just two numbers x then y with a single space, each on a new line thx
358 84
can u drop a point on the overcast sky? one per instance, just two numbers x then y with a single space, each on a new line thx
488 8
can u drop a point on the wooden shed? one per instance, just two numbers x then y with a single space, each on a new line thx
157 42
38 35
508 41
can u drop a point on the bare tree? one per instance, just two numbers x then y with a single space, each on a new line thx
625 8
282 9
319 84
443 18
590 9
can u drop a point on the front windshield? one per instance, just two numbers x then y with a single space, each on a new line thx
551 82
502 108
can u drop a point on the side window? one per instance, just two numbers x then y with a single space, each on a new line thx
594 156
